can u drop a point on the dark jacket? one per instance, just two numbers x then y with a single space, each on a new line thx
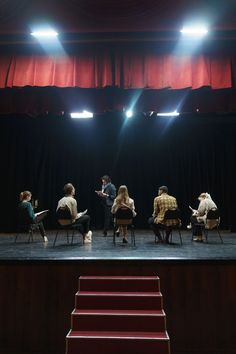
109 189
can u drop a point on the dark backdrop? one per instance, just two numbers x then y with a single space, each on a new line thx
190 154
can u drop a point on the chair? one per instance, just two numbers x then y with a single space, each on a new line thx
124 217
65 214
212 223
25 225
173 214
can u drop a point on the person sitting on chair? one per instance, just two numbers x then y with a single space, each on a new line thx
27 216
199 215
83 221
123 201
162 203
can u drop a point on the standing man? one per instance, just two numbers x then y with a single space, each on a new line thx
162 203
107 195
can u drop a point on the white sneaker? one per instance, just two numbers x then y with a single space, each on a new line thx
189 226
88 237
45 239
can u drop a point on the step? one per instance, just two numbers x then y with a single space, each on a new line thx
119 283
86 342
118 300
119 320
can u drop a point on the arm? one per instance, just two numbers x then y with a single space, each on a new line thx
202 208
114 207
31 211
155 208
74 210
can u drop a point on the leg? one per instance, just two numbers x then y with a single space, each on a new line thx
107 218
124 232
155 228
83 225
197 229
42 231
168 232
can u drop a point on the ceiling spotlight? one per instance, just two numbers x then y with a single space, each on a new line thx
82 115
129 113
195 31
44 34
169 114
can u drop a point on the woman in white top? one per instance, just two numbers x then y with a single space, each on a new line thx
199 215
123 200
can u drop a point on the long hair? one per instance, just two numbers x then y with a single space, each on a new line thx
24 195
123 195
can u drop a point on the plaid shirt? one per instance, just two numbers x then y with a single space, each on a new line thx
161 204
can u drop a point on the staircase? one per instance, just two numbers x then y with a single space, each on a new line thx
118 314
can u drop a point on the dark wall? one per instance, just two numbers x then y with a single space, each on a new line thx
37 299
189 154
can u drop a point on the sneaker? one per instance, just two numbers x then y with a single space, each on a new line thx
189 226
45 239
88 237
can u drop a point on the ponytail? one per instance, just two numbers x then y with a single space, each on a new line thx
24 195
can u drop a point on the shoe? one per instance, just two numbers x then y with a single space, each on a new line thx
105 233
197 239
117 233
88 237
189 226
45 239
124 240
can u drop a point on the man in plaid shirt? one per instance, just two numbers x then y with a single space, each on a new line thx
162 203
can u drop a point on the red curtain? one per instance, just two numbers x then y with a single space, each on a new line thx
96 68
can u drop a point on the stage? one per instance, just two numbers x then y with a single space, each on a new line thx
102 248
39 282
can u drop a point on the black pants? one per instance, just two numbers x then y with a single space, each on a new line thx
83 224
107 217
197 229
157 227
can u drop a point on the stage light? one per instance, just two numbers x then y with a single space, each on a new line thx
169 114
44 34
129 113
194 31
81 115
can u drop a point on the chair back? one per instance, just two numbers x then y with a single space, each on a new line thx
23 217
212 219
172 214
213 214
124 216
63 213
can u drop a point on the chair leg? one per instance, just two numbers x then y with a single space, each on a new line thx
206 234
114 234
55 239
132 235
72 237
219 235
30 235
180 237
16 237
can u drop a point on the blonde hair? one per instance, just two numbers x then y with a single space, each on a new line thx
123 195
24 195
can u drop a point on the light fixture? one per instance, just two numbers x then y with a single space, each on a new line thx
44 34
195 31
169 114
129 113
82 115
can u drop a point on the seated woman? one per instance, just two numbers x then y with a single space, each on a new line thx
79 219
199 215
26 215
123 201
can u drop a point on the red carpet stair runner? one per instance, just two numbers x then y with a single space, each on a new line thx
115 315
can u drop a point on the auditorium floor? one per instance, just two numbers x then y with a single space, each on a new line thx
103 248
